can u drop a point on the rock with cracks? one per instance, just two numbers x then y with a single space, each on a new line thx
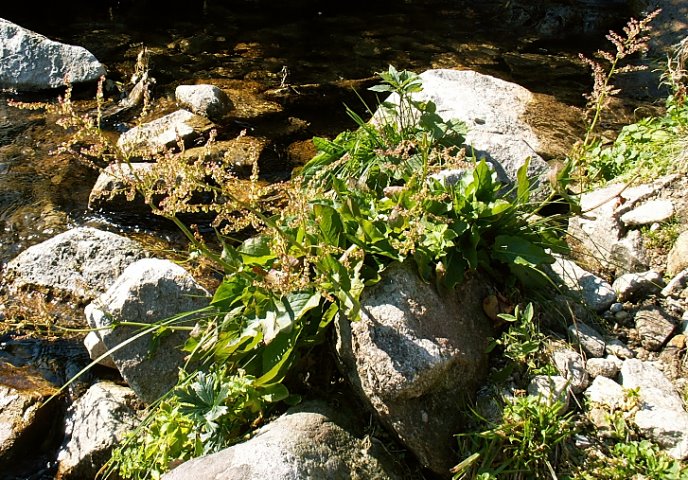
308 442
149 291
30 61
80 263
414 355
96 422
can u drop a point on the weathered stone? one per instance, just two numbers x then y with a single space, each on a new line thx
661 415
206 100
493 110
148 291
676 285
29 61
80 263
619 349
594 292
149 139
607 392
654 328
96 348
413 355
628 254
114 185
637 286
550 389
588 338
25 419
602 367
96 422
678 256
310 441
571 367
654 211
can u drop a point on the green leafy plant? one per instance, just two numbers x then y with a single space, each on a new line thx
522 342
635 459
205 413
398 188
526 443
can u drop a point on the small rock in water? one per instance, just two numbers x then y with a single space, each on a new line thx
206 100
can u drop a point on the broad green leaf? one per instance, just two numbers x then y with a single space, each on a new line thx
513 249
522 183
256 250
329 223
274 392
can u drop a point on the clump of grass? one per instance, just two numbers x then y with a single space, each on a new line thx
527 443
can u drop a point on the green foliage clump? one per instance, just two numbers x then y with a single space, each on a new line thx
526 443
635 459
369 198
647 149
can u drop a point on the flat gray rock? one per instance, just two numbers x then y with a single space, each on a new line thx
588 338
152 138
593 290
654 327
661 415
654 211
30 61
637 286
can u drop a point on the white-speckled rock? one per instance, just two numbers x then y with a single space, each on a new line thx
594 291
654 211
30 61
206 100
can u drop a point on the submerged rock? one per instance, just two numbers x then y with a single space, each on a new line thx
414 355
206 100
311 441
80 263
30 61
148 291
112 190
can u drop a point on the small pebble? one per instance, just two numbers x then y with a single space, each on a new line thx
616 307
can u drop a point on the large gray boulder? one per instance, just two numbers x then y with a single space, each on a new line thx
414 356
311 441
494 111
148 291
29 61
96 422
80 263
